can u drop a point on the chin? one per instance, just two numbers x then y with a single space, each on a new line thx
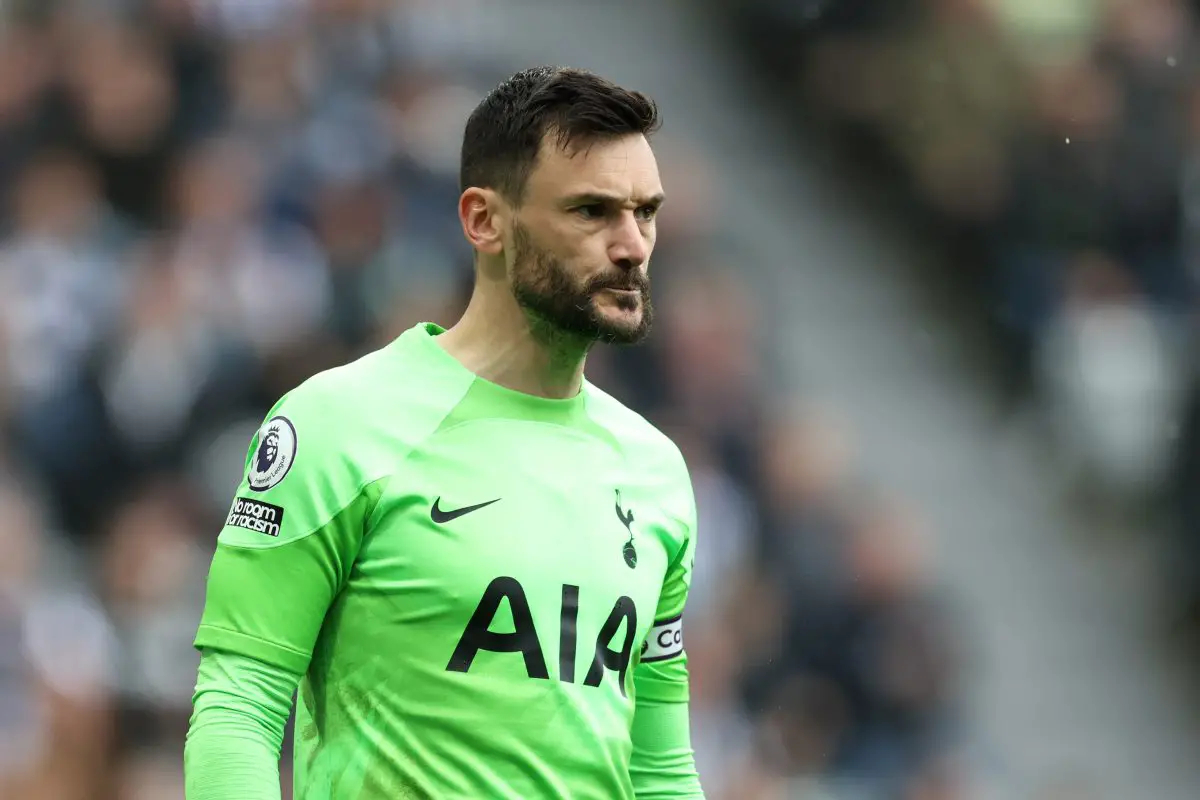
624 307
628 328
619 318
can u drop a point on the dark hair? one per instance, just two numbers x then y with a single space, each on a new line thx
505 131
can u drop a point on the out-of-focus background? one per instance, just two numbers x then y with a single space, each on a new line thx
926 337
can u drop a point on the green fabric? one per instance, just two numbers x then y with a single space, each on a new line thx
233 742
663 766
247 587
498 653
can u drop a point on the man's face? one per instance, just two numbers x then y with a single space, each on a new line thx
580 244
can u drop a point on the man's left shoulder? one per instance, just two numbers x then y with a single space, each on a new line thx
637 436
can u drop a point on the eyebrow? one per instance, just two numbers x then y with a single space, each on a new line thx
586 198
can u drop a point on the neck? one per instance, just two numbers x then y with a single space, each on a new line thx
496 340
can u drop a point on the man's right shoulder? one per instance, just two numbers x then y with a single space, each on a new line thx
381 379
325 446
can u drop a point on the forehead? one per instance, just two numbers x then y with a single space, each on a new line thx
625 167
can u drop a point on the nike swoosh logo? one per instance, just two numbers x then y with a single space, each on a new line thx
439 516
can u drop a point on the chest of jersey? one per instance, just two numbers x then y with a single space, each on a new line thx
518 550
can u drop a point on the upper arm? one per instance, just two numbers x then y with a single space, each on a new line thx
291 536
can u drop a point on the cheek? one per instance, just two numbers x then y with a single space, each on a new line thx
580 272
580 256
650 233
584 260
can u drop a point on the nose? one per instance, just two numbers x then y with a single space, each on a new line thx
630 246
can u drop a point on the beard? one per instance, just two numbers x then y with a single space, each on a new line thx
546 291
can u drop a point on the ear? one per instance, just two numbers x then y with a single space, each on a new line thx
482 213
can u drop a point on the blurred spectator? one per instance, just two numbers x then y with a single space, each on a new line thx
152 580
62 287
1111 377
56 665
865 684
124 110
60 274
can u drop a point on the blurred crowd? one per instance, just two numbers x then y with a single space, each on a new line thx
203 202
1055 146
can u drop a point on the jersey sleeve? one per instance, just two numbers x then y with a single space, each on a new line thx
662 765
234 738
291 536
661 673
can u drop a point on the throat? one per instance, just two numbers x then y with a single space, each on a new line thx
562 354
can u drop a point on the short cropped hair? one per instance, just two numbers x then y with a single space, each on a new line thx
504 133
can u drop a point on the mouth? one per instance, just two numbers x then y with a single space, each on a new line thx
625 300
622 290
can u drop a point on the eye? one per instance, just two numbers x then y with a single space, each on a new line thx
646 213
590 211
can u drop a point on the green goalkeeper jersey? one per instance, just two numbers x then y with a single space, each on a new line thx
479 586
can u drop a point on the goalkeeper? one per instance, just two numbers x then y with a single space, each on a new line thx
471 561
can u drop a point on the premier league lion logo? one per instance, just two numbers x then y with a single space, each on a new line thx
274 455
268 450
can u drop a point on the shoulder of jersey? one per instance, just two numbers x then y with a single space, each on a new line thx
375 392
336 387
636 434
371 379
324 408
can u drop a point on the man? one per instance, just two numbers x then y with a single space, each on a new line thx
473 562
